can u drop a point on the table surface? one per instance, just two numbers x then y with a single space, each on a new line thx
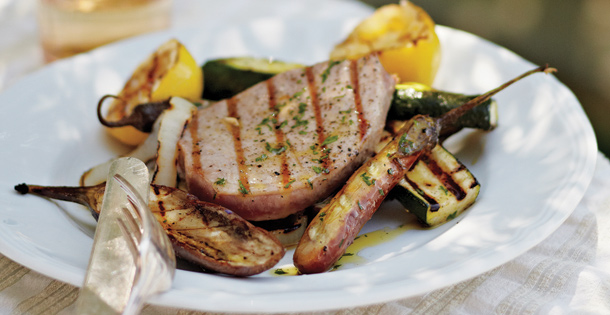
569 272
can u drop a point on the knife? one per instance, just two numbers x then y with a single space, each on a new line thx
110 273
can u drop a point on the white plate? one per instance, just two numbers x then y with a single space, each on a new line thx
534 169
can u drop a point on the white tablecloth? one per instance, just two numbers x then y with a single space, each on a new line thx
569 272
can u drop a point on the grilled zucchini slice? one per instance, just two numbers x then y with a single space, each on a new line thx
438 188
226 77
418 99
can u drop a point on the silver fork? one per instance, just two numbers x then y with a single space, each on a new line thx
150 247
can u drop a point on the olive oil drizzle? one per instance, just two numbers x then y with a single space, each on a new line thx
355 85
352 252
279 136
315 103
239 151
367 240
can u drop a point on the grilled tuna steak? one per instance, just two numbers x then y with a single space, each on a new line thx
287 142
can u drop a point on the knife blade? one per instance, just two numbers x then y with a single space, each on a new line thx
110 273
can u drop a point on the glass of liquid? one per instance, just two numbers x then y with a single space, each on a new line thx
69 27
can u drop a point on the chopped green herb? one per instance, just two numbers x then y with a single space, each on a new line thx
242 188
280 272
299 122
310 184
405 145
302 132
319 170
381 192
390 171
321 159
360 206
313 149
326 72
281 148
264 122
367 179
302 107
289 183
330 140
220 181
341 243
279 107
297 94
443 189
261 158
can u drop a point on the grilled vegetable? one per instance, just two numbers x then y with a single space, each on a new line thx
336 225
437 188
168 71
228 76
206 234
404 34
159 145
418 99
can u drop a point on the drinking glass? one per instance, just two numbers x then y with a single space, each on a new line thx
69 27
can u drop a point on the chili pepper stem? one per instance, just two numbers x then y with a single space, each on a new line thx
452 116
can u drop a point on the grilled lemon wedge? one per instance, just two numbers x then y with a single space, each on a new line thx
168 71
404 34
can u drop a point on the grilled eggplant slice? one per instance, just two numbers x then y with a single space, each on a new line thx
206 234
337 224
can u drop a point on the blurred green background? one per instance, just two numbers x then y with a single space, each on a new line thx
571 35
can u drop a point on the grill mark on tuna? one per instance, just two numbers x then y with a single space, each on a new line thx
239 151
315 104
362 123
279 135
194 130
444 178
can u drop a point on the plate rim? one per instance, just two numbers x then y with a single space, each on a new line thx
168 299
